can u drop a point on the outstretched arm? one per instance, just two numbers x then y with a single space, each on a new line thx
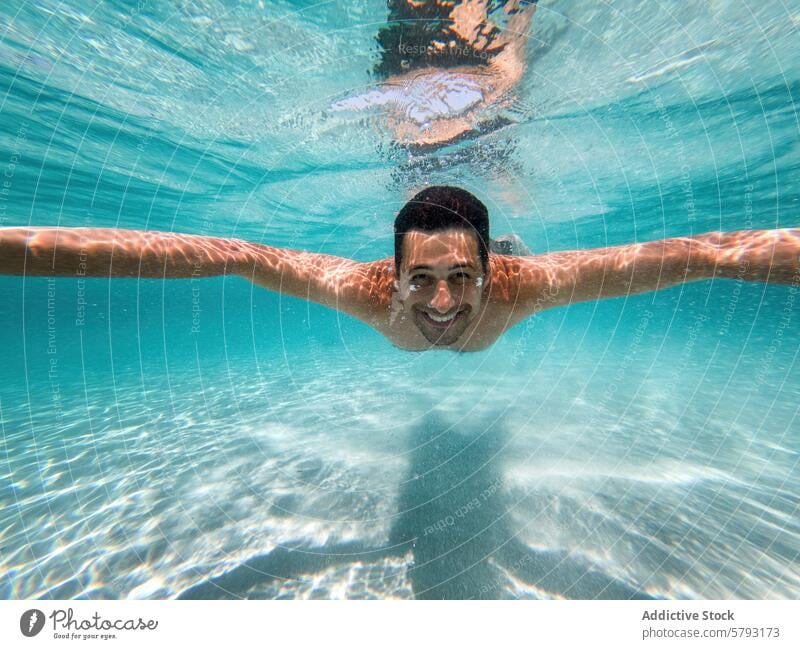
576 276
108 252
105 252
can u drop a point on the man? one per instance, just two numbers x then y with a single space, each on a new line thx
446 68
444 289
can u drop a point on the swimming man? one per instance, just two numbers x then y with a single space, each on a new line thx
443 289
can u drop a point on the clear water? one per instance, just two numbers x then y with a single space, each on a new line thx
205 438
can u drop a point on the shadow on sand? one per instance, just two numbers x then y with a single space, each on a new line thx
454 522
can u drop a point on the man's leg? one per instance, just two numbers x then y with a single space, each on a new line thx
444 65
440 34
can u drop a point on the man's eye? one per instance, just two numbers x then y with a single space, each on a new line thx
460 277
420 279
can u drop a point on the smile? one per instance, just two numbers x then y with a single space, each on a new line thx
439 321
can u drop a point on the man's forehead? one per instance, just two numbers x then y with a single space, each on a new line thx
446 247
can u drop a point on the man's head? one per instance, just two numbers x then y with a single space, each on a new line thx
440 208
442 260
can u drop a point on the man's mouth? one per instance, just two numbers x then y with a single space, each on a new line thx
441 321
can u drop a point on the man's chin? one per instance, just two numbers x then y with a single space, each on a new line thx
442 337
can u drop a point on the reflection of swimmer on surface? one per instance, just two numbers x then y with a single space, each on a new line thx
443 289
446 66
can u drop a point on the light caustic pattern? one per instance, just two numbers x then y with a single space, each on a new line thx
207 438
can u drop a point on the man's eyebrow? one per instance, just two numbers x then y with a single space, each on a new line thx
453 267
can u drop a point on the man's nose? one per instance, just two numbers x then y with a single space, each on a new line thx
442 298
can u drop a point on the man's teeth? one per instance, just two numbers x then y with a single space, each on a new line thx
440 318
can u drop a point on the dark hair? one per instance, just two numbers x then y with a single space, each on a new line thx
441 208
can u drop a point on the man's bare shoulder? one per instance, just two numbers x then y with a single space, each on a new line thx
369 287
523 284
512 274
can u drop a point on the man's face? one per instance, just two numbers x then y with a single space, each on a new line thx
441 282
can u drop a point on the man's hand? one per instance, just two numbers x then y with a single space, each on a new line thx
761 255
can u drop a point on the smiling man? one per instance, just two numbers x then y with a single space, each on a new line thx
446 288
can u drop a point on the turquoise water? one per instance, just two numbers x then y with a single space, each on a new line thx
208 438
